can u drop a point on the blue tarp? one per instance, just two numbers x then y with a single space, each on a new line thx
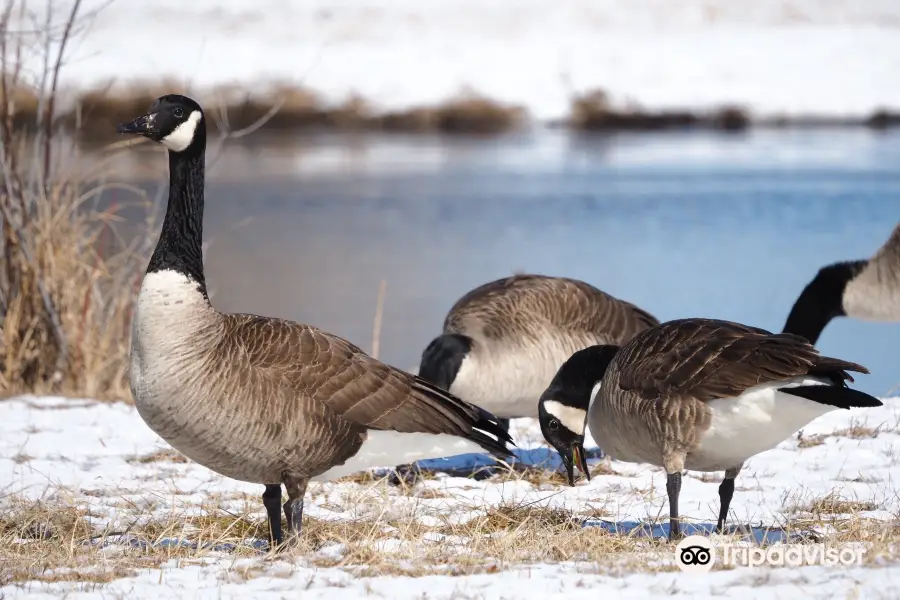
760 535
484 465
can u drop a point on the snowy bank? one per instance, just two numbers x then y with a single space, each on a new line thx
774 57
444 536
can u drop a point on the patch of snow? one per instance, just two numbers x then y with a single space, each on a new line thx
797 57
89 450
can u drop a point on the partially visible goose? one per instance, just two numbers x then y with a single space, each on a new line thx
504 341
861 289
697 394
266 400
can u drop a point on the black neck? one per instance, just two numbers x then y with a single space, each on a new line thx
822 300
575 380
180 245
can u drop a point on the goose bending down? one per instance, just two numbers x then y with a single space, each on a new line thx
697 394
868 290
504 341
260 399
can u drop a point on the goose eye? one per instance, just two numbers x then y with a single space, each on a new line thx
178 113
554 425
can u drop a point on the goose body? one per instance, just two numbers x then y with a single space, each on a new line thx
697 394
868 290
503 341
261 399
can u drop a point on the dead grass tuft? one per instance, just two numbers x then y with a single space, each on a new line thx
856 431
593 111
833 504
468 113
164 455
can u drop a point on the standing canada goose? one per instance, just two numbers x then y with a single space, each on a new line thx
868 290
697 394
260 399
503 341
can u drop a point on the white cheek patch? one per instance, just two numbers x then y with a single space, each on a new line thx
182 136
571 418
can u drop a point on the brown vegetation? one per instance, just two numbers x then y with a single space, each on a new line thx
65 290
94 114
594 112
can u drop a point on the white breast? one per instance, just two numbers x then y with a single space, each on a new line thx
169 316
508 380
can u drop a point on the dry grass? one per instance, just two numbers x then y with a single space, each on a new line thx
66 281
93 115
61 542
165 455
825 507
855 431
594 112
468 113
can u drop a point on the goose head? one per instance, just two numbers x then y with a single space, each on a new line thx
177 122
563 407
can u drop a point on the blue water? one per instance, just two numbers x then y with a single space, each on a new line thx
726 226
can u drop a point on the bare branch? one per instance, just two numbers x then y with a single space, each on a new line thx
376 326
227 134
48 124
55 322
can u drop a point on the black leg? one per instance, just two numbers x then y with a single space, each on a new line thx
673 488
293 508
272 501
726 492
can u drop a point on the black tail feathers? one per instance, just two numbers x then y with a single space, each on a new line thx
487 426
837 396
443 357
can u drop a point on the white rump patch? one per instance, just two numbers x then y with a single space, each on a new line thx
393 448
572 418
756 421
182 136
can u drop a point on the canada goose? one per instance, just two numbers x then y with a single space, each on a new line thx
697 394
504 340
862 289
260 399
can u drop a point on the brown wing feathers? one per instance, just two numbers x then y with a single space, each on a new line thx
336 374
708 359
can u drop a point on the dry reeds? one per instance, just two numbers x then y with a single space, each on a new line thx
66 283
594 112
94 113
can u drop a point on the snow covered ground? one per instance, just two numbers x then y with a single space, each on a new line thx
788 57
838 477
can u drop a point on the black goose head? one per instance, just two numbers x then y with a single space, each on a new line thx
177 122
443 357
563 407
